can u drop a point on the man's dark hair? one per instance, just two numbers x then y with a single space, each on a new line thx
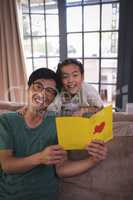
42 73
68 61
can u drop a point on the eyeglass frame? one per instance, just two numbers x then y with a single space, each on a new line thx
48 89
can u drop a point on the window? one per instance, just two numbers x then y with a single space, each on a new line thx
92 31
40 33
88 31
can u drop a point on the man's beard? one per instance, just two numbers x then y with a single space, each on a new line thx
38 110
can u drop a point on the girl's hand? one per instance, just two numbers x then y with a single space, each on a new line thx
22 111
86 111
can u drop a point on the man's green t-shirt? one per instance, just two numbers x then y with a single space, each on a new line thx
40 183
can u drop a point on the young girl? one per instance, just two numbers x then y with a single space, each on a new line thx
76 96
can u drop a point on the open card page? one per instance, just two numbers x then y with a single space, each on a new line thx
75 132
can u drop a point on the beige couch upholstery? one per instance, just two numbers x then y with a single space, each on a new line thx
111 179
6 106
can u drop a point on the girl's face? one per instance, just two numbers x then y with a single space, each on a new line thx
71 78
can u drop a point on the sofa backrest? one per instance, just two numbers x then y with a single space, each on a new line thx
6 106
122 116
12 106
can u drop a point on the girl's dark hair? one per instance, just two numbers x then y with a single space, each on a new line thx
68 61
42 73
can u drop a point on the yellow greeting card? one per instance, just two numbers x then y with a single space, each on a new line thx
75 132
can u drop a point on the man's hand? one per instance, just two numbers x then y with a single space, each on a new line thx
53 155
97 149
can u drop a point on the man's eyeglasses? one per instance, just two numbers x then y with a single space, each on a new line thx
38 87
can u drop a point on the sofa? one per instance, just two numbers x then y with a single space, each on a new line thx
111 179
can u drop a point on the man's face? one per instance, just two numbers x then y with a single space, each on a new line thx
71 78
41 93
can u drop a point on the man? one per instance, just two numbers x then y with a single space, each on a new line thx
29 153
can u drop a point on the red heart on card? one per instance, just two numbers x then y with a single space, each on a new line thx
99 128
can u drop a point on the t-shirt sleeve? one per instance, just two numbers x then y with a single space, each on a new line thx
6 140
93 98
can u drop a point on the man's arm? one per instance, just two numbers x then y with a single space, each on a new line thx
73 168
97 151
11 164
49 156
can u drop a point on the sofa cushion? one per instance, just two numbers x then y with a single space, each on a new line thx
111 179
